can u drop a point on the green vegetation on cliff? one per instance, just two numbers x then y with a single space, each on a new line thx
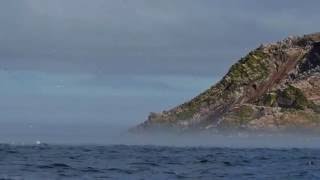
253 67
294 98
290 97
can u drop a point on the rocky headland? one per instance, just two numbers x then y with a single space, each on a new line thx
275 87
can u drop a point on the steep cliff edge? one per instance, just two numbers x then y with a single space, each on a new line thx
275 87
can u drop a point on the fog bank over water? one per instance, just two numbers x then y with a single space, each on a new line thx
106 134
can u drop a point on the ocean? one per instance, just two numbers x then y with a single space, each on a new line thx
46 162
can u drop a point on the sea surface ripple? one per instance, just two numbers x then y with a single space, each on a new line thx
156 162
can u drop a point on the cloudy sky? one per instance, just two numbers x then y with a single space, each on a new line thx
114 61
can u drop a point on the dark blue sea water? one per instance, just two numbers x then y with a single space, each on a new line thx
156 162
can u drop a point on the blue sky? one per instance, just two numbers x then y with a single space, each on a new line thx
114 61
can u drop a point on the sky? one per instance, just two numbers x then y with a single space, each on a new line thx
111 62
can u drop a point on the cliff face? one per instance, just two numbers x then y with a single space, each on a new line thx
276 86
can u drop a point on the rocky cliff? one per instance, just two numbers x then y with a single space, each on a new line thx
274 87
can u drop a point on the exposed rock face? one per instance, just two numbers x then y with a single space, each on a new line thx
274 87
